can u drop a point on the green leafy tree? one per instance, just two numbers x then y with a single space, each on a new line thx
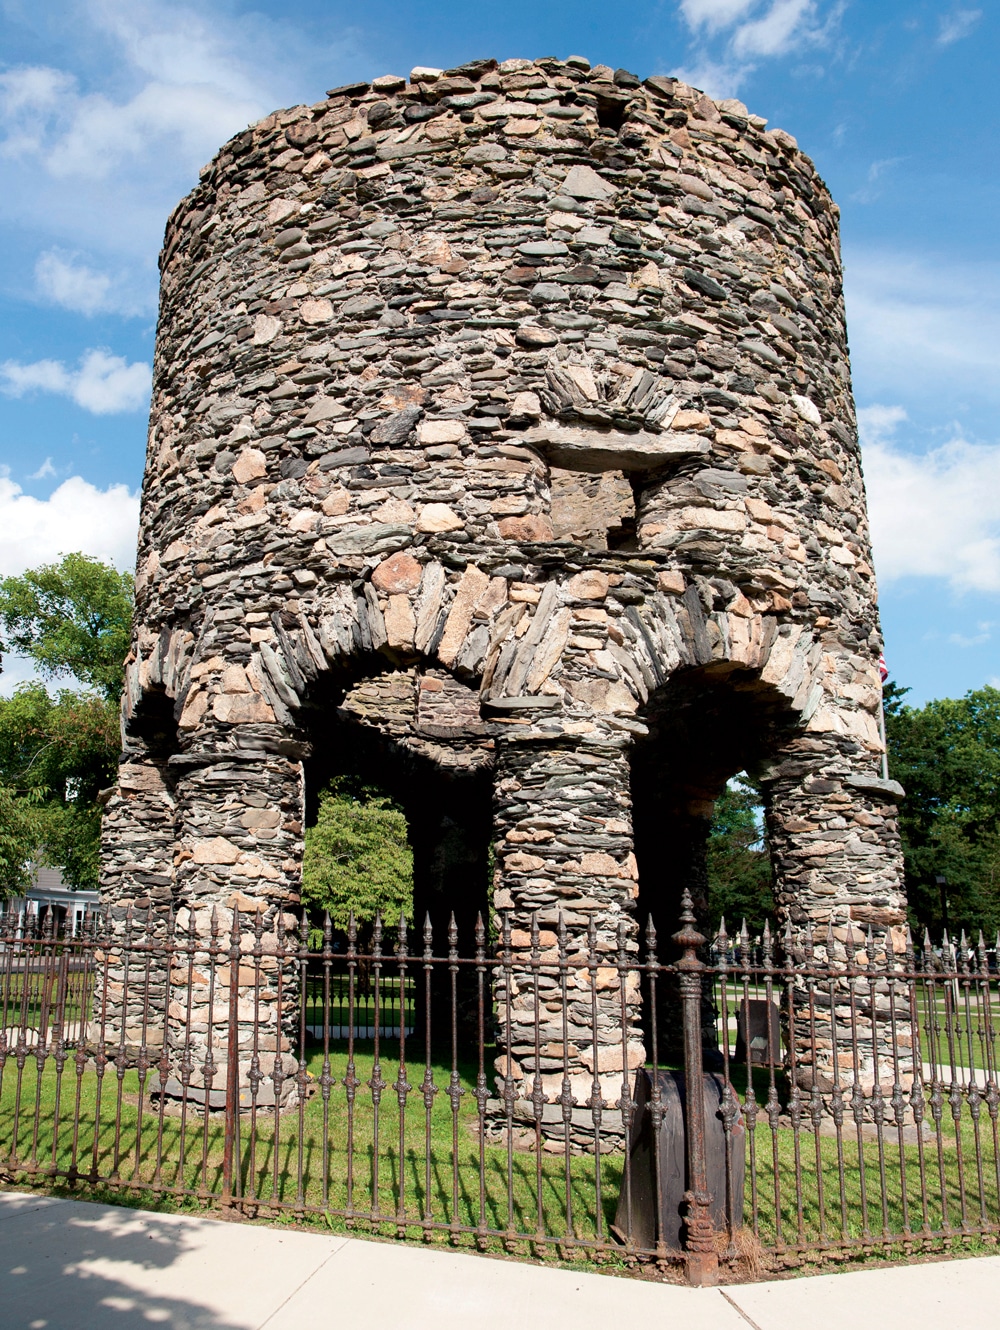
19 833
357 858
739 864
72 617
56 754
947 757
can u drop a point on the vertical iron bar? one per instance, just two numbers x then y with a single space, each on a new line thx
302 1072
427 1087
376 1084
837 1091
482 1091
232 1063
699 1240
750 1108
402 1085
596 1102
455 1090
163 1062
626 1104
537 1090
351 1081
566 1099
326 1080
656 1110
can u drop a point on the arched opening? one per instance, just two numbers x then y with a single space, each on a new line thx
707 727
377 732
410 741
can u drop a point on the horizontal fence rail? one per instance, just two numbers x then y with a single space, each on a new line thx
521 1090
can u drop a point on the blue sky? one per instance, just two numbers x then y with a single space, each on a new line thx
108 108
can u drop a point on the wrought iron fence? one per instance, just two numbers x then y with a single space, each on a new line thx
529 1095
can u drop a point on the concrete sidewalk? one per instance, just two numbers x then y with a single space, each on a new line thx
71 1265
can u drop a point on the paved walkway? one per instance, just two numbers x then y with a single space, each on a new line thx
71 1265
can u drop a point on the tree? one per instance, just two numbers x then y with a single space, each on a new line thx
357 858
56 754
739 864
947 757
71 618
18 841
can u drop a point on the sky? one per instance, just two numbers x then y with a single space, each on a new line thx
109 107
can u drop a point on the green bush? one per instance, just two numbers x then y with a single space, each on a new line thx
357 858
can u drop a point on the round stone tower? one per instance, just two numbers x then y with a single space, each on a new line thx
502 442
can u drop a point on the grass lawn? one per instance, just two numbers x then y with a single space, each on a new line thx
423 1171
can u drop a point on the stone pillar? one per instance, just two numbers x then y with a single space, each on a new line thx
138 831
838 873
240 848
564 850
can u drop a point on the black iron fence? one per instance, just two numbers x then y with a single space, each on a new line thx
528 1093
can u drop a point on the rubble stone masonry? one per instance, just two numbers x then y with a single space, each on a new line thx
506 412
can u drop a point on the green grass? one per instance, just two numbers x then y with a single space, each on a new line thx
803 1195
395 1179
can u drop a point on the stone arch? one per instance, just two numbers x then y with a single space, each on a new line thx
705 725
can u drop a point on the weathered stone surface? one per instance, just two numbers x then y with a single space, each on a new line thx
585 449
400 572
438 517
532 526
250 465
473 584
556 418
583 182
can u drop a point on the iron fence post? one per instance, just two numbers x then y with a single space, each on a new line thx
700 1255
232 1065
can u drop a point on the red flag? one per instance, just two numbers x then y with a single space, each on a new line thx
883 669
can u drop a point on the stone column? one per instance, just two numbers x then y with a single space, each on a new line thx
564 851
240 848
838 874
138 831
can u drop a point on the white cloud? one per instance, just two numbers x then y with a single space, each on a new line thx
983 634
956 25
64 279
103 384
924 327
94 156
713 14
103 134
76 516
72 285
745 32
194 92
718 78
777 31
45 472
933 514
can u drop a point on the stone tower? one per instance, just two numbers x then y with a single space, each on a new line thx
502 442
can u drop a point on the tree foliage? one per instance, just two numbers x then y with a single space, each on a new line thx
947 757
71 618
739 864
357 858
56 754
19 833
